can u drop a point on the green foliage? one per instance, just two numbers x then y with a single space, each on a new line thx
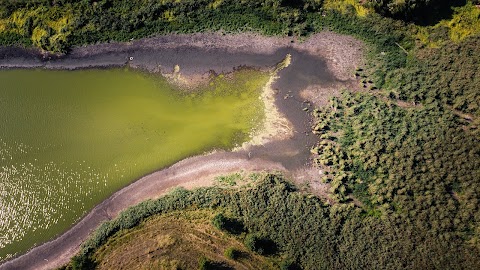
219 221
420 11
463 23
227 224
204 263
230 180
80 262
59 25
413 163
288 265
260 245
39 23
401 9
252 243
315 235
308 232
10 39
232 253
417 168
449 75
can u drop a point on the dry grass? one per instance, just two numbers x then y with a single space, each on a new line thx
175 241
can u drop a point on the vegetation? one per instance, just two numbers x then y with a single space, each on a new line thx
57 25
463 23
173 240
256 244
229 225
401 157
204 263
449 75
305 231
417 10
229 180
232 253
407 152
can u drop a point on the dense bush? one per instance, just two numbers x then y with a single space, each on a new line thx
57 25
204 263
288 265
79 263
420 11
219 221
317 236
415 165
232 253
254 243
229 225
449 74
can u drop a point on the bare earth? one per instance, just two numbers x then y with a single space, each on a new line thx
320 67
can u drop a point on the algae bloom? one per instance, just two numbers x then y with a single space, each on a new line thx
69 139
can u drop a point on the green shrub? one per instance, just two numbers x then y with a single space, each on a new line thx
344 236
204 263
289 265
232 253
251 242
260 245
229 225
220 221
82 262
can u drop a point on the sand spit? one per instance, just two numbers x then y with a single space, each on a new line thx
320 66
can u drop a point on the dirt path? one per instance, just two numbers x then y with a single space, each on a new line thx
319 68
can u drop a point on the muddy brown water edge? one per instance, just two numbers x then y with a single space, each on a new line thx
305 69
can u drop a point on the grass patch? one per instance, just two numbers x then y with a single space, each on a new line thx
161 242
229 180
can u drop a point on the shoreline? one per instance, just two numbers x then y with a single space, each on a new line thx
341 52
337 54
275 127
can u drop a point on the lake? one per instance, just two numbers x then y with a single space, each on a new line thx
70 139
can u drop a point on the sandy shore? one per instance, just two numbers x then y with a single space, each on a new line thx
319 67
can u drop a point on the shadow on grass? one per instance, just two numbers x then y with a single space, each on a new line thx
230 225
218 266
434 13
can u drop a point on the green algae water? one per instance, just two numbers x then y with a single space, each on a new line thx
69 139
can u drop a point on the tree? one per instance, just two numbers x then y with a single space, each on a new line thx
232 253
414 10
